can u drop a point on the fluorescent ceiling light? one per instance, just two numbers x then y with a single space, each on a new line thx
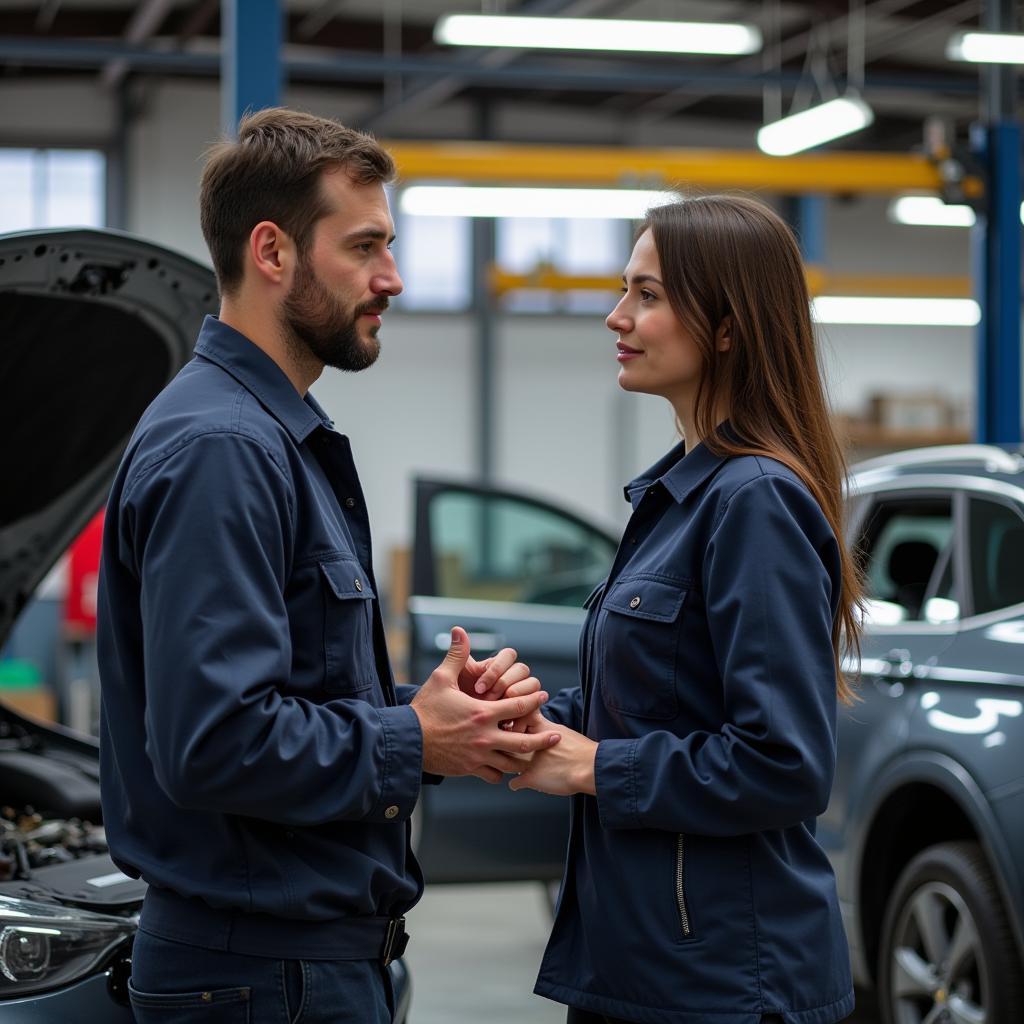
812 127
554 33
987 47
931 211
472 201
858 309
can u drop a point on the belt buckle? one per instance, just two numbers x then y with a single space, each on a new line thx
395 940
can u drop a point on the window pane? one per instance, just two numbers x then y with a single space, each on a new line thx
902 544
997 556
489 548
433 256
15 189
75 188
42 188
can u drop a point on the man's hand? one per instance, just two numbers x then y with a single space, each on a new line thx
561 770
461 734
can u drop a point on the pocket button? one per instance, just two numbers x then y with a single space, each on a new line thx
635 603
358 585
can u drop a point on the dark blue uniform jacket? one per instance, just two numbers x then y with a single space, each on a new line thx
258 766
695 889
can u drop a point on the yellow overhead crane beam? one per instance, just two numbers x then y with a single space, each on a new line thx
819 281
508 163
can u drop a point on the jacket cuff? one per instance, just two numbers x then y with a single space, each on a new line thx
403 764
616 784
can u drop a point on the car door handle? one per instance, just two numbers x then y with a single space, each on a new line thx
479 642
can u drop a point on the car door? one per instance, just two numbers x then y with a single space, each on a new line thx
513 571
906 538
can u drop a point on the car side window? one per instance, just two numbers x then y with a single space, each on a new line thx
906 547
996 545
490 547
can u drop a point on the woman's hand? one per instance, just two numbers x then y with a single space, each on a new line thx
561 770
498 677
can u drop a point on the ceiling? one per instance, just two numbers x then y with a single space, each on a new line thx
383 50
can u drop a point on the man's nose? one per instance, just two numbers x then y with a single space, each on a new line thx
388 281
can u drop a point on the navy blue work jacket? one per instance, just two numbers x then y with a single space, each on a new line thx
258 766
695 890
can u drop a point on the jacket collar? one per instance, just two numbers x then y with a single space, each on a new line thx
679 471
259 374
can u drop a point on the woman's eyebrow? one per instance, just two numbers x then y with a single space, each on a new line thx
642 279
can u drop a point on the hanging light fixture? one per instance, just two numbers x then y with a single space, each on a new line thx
987 47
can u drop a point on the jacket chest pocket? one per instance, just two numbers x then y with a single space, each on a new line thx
639 646
348 628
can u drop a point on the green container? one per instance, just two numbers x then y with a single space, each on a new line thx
18 674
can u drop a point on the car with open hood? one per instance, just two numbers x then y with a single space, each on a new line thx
94 324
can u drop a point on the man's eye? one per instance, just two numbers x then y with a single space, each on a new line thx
364 246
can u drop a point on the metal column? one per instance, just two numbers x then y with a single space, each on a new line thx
484 255
251 69
996 244
806 216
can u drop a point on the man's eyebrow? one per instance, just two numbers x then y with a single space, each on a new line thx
642 278
369 233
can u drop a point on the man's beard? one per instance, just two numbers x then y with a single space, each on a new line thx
317 324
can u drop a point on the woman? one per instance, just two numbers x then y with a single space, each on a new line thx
701 746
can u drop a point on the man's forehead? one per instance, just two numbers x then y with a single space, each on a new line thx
354 203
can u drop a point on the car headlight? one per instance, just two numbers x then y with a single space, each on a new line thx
44 946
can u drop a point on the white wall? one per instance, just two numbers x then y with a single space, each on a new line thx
563 429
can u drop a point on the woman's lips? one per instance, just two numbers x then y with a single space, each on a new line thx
625 353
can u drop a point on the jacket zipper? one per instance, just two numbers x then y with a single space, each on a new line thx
684 915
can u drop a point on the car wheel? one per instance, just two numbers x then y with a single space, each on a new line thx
947 952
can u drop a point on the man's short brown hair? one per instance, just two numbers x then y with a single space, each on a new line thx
273 173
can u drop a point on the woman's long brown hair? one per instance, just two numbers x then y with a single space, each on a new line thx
731 256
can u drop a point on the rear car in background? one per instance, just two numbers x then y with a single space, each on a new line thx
925 828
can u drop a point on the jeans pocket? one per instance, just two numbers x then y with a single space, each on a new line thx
224 1005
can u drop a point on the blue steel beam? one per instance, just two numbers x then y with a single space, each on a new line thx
997 268
997 246
251 69
358 65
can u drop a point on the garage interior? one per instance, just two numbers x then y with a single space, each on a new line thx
496 364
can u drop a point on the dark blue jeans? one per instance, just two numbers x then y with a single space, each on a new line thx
174 983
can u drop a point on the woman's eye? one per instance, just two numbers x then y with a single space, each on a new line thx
645 295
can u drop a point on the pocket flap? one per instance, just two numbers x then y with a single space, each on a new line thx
347 580
658 600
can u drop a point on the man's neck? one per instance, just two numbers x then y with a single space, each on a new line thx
264 330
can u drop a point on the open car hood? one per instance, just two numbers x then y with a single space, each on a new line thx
93 324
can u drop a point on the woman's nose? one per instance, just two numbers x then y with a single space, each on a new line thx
617 321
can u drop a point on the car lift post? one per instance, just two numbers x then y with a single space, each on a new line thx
996 248
251 68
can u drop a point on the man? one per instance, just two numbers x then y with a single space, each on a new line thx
259 766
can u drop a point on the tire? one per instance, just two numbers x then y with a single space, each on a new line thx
948 954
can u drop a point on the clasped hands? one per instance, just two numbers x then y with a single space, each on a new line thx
483 718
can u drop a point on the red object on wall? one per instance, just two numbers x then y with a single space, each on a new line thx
83 579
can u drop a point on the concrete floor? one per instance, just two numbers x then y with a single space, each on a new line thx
474 955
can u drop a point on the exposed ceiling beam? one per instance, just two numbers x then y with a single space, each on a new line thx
796 46
144 23
430 92
353 66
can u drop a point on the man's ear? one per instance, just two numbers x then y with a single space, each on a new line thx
723 336
271 252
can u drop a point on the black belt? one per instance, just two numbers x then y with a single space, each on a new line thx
395 940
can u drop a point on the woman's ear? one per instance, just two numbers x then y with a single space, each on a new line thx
723 336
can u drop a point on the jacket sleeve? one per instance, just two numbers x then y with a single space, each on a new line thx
768 583
566 708
208 531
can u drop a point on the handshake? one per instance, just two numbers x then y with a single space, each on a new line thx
483 718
